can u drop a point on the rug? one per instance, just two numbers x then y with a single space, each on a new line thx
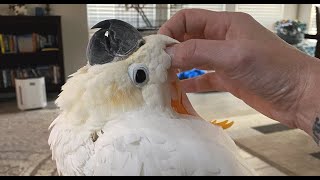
24 149
291 151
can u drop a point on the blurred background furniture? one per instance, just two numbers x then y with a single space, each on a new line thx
31 93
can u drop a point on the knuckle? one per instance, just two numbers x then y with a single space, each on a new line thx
189 12
182 12
240 51
243 15
185 11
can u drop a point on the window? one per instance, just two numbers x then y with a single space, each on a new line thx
173 8
312 24
265 14
99 12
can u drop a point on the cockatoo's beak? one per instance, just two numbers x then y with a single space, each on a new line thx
181 104
115 40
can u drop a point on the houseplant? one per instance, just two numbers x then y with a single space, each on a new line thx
291 31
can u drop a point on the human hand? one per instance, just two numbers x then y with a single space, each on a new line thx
249 61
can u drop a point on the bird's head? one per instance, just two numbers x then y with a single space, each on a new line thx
124 72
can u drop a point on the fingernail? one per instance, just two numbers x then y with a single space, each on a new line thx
170 51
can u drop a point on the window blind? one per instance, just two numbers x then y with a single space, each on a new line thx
265 14
174 8
99 12
312 24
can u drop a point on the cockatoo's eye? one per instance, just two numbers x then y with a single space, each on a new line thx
138 74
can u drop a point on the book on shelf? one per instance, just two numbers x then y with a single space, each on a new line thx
8 44
50 49
51 73
56 75
27 43
5 79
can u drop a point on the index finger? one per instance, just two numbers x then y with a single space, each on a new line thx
197 24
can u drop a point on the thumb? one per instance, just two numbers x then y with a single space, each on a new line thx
199 52
204 83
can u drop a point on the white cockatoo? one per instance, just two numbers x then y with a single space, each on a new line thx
117 116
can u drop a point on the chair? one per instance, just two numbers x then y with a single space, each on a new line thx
317 36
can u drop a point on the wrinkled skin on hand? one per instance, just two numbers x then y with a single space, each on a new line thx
249 61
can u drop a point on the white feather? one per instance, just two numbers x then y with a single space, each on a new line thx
108 126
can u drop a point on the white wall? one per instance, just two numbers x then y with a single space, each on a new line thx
74 34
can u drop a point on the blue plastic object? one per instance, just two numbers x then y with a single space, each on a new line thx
191 73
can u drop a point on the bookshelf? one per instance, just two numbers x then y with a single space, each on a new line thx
31 46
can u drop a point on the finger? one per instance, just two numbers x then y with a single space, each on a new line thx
197 23
207 67
205 53
204 83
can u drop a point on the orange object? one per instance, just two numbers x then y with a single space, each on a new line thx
178 106
224 124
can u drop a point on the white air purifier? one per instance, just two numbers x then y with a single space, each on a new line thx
31 93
